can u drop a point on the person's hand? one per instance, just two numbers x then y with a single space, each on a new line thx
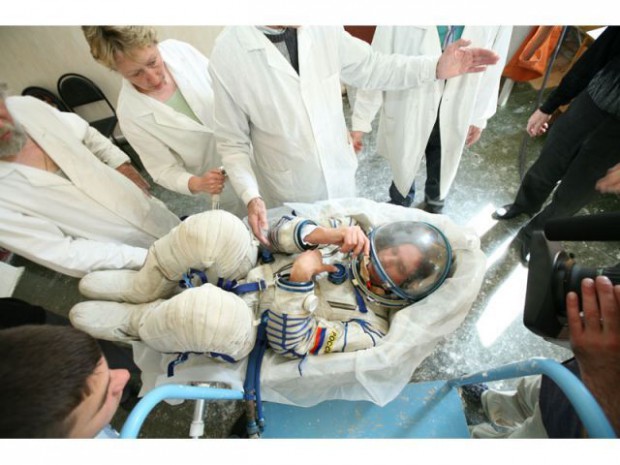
257 219
538 123
457 60
473 134
211 182
307 265
595 340
128 170
357 139
610 183
348 238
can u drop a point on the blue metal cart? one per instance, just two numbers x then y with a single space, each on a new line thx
422 410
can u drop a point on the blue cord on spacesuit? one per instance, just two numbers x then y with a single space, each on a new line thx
251 387
359 298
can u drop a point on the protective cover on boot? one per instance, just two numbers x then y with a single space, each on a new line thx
111 321
202 319
214 239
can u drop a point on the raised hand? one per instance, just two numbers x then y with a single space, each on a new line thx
457 60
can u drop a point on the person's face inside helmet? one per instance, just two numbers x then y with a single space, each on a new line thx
399 263
100 404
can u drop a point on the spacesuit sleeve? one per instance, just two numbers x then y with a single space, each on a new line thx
364 68
286 236
45 243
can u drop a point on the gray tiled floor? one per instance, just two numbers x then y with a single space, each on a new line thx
491 335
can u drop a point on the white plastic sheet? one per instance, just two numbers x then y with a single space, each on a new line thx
378 374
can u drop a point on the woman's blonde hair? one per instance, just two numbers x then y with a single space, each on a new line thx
106 41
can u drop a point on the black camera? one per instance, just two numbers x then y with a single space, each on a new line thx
553 272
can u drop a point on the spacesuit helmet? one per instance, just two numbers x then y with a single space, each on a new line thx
408 261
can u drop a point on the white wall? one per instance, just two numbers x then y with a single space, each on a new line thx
39 55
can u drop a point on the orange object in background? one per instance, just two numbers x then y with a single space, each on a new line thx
366 33
530 60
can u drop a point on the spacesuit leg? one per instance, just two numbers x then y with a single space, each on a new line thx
214 239
204 319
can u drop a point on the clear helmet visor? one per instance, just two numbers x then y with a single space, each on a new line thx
409 258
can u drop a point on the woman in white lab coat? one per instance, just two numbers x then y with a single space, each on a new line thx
408 116
165 110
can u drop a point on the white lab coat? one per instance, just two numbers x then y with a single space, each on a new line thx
172 146
295 123
95 218
407 117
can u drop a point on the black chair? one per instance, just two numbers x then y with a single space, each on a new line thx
78 91
47 96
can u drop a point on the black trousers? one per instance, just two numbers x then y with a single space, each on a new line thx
433 172
558 414
581 145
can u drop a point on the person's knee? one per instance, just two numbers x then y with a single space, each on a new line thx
205 319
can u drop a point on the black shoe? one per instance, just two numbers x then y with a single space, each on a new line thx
405 202
507 212
432 206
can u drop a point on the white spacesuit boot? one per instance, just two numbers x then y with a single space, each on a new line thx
214 239
110 321
204 319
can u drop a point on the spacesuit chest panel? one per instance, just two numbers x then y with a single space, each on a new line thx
339 302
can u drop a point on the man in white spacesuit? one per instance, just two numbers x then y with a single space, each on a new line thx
334 299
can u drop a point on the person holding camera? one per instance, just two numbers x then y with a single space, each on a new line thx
538 408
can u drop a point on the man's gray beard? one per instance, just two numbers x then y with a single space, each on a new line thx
16 143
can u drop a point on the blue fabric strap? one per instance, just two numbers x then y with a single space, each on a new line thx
187 283
240 289
251 386
183 356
